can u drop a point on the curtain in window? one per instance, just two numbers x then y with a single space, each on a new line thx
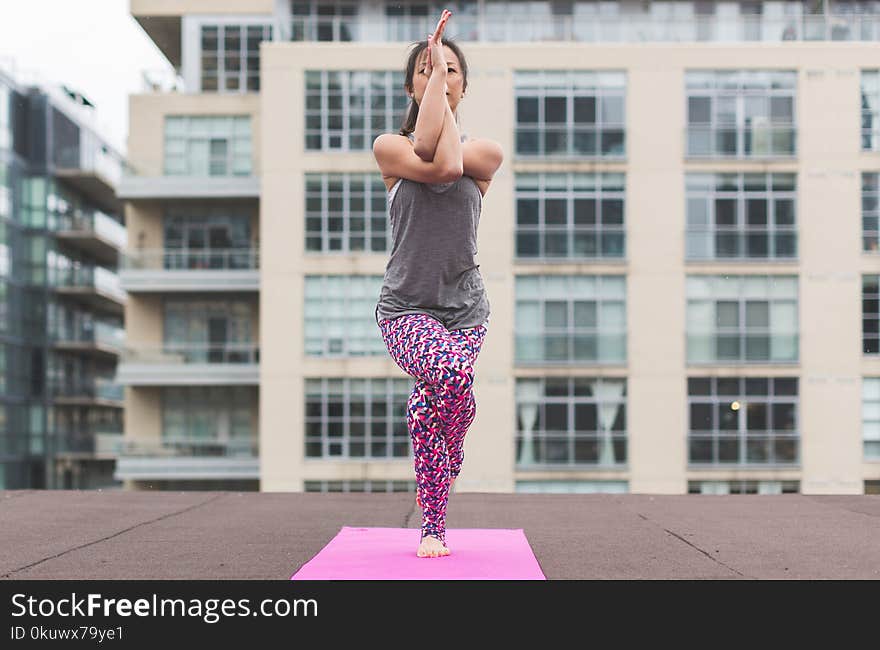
607 393
528 396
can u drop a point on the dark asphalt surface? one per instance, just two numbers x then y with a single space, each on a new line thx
69 534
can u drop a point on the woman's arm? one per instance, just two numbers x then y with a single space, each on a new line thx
430 120
481 158
448 154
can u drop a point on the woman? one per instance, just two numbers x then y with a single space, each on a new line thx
433 311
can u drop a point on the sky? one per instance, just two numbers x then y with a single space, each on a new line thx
92 46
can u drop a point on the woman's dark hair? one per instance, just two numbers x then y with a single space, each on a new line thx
412 113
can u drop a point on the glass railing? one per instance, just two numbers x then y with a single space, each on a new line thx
543 450
213 259
192 446
96 277
777 140
183 353
103 442
106 280
751 244
514 27
111 335
580 347
102 333
781 448
736 348
91 155
93 222
97 388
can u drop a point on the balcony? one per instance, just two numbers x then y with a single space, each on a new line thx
190 364
588 28
753 244
739 349
86 444
100 235
162 28
92 167
102 339
758 142
99 391
169 187
188 458
605 450
94 285
218 269
161 19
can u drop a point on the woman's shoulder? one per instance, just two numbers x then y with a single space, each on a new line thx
391 137
474 139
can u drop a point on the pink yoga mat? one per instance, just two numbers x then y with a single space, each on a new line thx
390 554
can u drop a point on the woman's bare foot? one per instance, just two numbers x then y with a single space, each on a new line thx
431 547
419 501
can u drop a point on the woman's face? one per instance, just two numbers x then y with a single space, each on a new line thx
454 78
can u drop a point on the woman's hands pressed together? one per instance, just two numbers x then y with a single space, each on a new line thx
436 137
435 55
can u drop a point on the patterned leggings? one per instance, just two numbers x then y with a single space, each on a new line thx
441 406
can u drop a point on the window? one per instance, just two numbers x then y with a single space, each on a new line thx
870 101
572 487
743 487
741 113
351 418
209 331
742 318
203 237
340 315
571 421
324 20
208 145
570 113
568 319
871 417
743 421
7 306
544 20
210 420
870 211
34 198
870 314
346 213
62 270
6 184
5 118
741 216
360 486
412 20
570 216
231 56
71 376
347 110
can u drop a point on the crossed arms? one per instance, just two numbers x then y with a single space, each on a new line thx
480 157
436 135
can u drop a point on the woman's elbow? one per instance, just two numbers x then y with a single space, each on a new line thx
453 173
423 153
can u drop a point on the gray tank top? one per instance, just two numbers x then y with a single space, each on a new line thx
432 268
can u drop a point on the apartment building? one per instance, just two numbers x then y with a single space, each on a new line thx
680 249
61 305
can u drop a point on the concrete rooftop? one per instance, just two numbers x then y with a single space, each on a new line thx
70 534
